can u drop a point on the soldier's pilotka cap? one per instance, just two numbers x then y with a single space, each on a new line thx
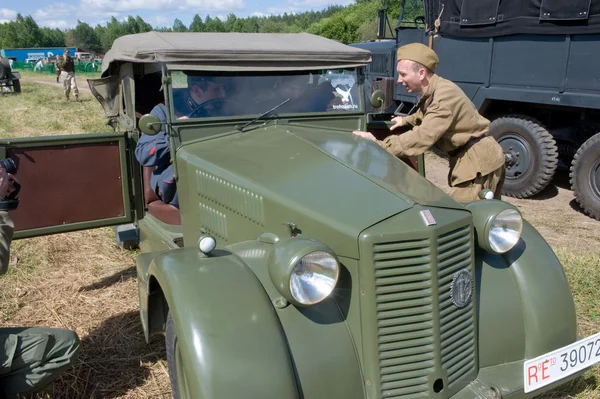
419 53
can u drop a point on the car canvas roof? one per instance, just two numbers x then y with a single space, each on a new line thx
233 51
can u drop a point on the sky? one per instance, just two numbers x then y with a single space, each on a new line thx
158 13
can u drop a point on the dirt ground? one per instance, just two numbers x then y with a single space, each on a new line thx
554 212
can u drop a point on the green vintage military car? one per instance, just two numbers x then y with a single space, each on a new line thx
302 262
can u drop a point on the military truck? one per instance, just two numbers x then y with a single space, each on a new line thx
528 66
303 261
9 79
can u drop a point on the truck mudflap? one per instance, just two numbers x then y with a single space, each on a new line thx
226 326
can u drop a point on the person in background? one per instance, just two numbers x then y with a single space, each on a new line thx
67 67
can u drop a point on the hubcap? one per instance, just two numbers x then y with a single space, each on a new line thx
517 155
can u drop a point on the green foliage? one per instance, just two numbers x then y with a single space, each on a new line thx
86 38
357 22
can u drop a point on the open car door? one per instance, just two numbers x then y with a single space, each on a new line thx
71 182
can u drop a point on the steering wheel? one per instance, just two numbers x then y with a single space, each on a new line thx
202 107
419 19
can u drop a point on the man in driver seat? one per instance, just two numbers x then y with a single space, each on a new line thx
200 99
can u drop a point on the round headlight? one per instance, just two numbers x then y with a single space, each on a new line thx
505 231
305 271
314 277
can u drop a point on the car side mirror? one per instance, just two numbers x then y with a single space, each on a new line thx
150 124
377 98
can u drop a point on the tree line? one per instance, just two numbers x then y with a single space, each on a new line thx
349 24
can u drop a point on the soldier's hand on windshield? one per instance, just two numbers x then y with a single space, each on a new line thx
364 135
398 121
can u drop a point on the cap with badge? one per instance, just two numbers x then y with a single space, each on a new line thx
419 53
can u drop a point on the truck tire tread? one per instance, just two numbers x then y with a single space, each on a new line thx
586 156
547 156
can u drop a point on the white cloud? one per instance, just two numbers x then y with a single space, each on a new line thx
60 24
7 15
159 21
188 6
53 11
319 4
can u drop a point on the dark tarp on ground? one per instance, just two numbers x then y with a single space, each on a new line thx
487 18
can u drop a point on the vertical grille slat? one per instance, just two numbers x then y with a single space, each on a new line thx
403 286
407 274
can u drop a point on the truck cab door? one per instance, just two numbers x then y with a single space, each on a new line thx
71 182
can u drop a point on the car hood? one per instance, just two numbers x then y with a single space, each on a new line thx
332 185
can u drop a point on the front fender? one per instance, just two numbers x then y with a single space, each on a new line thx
525 306
548 306
231 340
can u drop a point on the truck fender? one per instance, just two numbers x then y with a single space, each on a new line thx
226 326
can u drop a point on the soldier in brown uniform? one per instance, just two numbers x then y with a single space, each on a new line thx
446 118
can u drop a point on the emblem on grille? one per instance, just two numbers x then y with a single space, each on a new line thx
461 288
428 217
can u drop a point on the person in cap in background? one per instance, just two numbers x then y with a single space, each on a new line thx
201 99
30 357
446 118
67 68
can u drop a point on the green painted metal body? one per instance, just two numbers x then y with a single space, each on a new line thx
390 328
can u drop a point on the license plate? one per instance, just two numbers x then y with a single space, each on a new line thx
563 362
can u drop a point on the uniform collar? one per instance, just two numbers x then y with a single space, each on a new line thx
433 81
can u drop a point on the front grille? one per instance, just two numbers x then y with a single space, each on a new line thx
404 317
457 330
412 288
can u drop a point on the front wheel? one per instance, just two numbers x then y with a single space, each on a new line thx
16 86
530 154
177 372
585 176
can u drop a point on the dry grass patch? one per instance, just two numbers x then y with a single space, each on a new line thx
82 280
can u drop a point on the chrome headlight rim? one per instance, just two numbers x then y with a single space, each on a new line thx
285 258
484 213
493 244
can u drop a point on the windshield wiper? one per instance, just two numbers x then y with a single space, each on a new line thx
259 117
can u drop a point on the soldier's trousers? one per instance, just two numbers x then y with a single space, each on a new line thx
31 358
69 83
468 191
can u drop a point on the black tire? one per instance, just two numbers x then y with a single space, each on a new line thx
585 176
530 152
16 86
3 71
178 383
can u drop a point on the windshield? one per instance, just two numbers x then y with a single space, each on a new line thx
200 95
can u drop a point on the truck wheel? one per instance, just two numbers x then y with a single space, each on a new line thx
530 153
175 363
585 176
16 86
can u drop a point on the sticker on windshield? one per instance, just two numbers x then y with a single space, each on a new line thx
343 83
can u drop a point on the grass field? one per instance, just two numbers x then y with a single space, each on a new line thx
83 281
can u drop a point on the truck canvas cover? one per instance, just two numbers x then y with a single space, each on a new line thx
235 51
488 18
